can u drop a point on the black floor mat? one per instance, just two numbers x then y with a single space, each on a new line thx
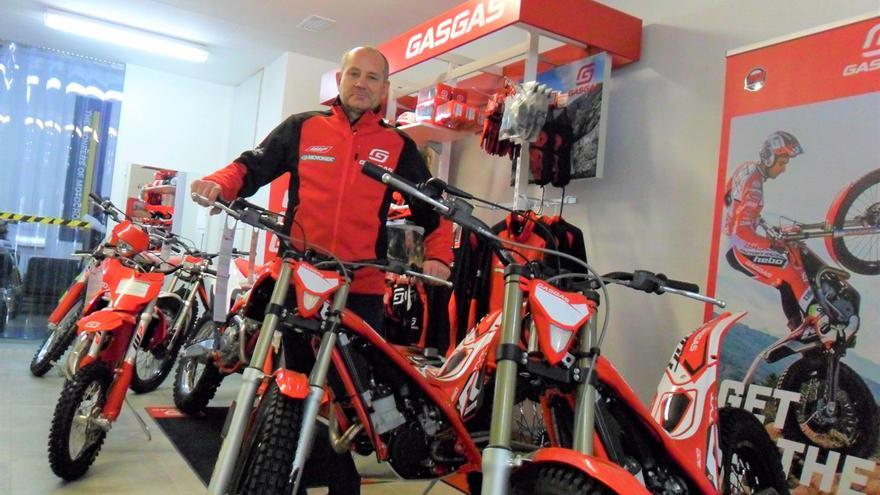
197 439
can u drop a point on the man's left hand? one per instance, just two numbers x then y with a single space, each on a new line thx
436 268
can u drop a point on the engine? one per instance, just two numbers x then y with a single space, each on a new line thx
231 340
421 443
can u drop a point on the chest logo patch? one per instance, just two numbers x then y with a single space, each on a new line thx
378 155
318 149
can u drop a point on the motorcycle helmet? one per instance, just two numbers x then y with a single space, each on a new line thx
780 143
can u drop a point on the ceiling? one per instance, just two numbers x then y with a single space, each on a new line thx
244 35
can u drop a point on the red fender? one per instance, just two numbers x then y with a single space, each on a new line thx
105 321
67 300
293 384
611 475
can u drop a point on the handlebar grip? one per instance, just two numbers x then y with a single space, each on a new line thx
373 171
94 197
685 286
210 271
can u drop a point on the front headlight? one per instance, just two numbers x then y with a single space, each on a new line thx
125 249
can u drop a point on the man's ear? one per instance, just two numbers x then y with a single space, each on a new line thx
338 77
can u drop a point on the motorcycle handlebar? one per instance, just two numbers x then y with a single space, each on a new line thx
457 211
659 283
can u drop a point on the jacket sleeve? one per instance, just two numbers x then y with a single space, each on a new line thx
438 230
278 153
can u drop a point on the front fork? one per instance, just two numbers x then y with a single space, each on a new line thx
123 379
497 456
250 382
498 459
317 380
185 312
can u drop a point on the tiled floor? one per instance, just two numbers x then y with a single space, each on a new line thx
128 463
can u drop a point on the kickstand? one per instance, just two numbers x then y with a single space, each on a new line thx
140 420
430 486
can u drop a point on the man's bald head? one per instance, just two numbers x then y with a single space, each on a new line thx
364 49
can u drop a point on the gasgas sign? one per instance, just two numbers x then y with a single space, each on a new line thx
453 28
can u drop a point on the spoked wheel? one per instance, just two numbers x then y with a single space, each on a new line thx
57 341
270 446
850 427
76 436
750 463
197 379
153 364
859 208
529 430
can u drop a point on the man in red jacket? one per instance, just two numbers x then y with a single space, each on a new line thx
338 208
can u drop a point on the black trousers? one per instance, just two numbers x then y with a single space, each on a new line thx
325 467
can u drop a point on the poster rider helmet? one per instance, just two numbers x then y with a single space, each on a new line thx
779 144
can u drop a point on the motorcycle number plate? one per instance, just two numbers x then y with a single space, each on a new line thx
132 287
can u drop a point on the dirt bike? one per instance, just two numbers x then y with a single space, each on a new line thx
312 354
62 320
128 320
601 439
837 409
214 351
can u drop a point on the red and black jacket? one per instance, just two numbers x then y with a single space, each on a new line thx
338 208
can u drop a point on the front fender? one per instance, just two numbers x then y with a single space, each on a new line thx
104 321
293 384
611 475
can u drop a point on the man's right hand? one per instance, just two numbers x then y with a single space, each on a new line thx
208 190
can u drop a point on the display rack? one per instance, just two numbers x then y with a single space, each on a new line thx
584 27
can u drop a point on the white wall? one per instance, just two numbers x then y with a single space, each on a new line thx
171 122
288 85
653 209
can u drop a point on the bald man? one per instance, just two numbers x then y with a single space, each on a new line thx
338 208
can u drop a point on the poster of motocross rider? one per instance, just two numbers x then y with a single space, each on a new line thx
796 245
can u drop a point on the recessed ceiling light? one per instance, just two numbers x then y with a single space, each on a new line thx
316 23
124 35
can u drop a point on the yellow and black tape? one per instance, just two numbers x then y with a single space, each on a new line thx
16 217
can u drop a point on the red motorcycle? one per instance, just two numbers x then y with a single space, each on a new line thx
127 322
311 356
600 439
62 320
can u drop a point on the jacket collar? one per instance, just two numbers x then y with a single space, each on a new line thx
368 119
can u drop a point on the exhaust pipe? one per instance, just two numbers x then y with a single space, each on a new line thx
340 443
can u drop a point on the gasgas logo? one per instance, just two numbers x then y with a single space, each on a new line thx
585 74
870 50
484 13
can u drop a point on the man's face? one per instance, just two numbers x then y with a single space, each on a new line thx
362 82
778 167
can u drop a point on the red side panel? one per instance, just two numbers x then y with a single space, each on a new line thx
609 376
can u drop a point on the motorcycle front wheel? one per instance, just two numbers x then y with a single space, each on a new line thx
75 438
750 462
859 208
57 341
196 379
854 427
153 364
263 465
557 480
